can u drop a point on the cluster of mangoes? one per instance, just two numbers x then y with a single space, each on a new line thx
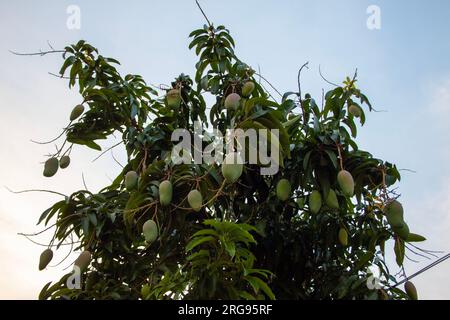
82 262
232 169
52 165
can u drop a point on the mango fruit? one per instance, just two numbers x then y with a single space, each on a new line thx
150 231
131 180
248 88
402 231
232 167
332 200
411 290
64 162
394 213
300 202
346 183
283 189
232 101
83 260
195 200
45 258
51 167
343 237
165 192
355 111
173 98
315 201
145 291
76 112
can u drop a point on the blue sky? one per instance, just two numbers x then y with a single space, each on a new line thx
403 67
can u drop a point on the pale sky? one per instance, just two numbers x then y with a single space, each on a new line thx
403 67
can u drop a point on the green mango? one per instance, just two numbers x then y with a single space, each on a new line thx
394 213
343 237
402 231
165 192
332 200
232 167
64 162
248 88
83 260
150 231
145 291
232 101
45 258
195 200
76 112
173 98
411 290
283 189
345 181
315 201
355 111
300 202
131 180
51 167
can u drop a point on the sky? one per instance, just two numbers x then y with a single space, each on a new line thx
403 67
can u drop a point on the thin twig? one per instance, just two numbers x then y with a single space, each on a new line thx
110 148
41 53
278 92
207 20
51 141
325 79
35 190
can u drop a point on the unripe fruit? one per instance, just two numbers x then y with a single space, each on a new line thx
165 192
76 112
248 88
394 213
315 201
411 290
195 200
300 202
232 167
173 98
83 260
64 162
355 111
343 237
45 258
402 231
150 231
131 180
51 167
346 183
145 291
283 189
332 200
232 101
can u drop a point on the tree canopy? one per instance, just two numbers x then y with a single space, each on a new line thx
311 231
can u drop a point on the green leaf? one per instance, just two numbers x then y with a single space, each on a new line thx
198 241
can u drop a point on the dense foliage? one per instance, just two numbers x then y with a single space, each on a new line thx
244 240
